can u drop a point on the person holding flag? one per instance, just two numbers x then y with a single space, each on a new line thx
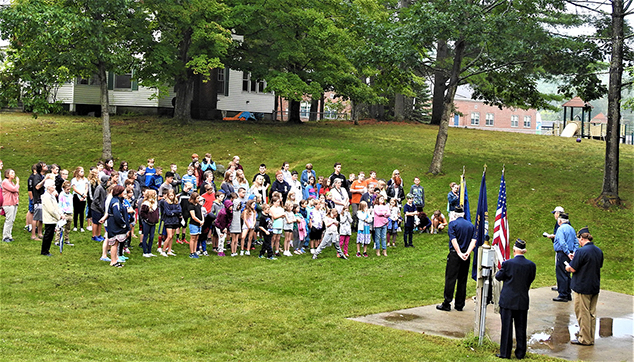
462 241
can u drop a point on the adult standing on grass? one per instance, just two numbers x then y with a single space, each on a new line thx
586 283
10 198
565 245
339 196
51 214
306 173
29 188
38 191
79 185
336 174
98 208
517 274
280 185
461 243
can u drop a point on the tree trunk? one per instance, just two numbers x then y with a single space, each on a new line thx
105 113
440 83
439 150
354 112
322 102
610 191
314 109
184 87
294 111
399 107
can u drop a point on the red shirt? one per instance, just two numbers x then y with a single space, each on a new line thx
209 200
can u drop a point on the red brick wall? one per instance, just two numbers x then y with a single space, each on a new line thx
501 117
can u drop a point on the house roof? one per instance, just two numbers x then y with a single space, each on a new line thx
599 118
577 102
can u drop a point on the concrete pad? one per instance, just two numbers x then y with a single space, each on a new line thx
551 325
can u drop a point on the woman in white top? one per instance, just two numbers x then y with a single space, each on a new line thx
79 185
258 189
339 196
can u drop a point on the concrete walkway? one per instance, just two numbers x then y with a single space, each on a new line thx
551 325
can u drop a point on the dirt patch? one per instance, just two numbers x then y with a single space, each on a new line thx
401 317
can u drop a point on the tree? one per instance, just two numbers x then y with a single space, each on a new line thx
499 48
62 39
189 41
614 42
297 46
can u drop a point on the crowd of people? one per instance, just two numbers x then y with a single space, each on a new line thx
289 214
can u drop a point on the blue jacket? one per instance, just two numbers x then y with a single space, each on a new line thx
517 274
566 239
117 217
171 213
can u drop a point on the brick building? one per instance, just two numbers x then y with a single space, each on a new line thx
475 114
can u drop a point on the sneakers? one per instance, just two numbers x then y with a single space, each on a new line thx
126 250
261 256
272 258
104 259
74 229
82 230
164 254
365 255
312 251
94 238
89 228
314 256
151 255
27 228
358 255
247 253
287 253
342 256
234 254
68 243
146 255
221 254
171 253
159 250
179 241
194 256
6 240
241 252
297 252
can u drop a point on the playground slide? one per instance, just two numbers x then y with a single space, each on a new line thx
570 130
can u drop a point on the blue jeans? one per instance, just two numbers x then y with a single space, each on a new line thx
379 237
148 233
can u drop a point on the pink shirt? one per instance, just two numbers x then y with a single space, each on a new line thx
10 193
381 213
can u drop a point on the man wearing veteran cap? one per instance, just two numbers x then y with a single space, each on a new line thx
517 274
586 282
461 243
565 245
555 213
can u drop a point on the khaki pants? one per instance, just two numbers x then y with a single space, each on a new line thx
69 219
586 310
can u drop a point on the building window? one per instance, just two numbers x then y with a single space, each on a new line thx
515 120
527 121
489 119
123 81
304 110
253 86
220 87
475 118
94 80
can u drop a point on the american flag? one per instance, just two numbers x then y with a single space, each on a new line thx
501 226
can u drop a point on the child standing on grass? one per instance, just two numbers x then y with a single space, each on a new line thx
215 210
345 230
248 227
393 222
236 224
363 229
149 216
410 214
299 229
277 214
266 230
66 206
158 179
150 171
331 236
316 226
190 178
195 223
222 223
288 222
183 200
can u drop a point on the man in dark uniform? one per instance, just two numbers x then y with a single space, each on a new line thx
517 274
586 283
461 244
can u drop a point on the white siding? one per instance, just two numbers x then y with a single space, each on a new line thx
138 98
237 99
65 93
166 100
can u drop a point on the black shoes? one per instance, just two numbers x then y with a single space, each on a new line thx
565 300
459 309
500 356
576 341
554 289
443 307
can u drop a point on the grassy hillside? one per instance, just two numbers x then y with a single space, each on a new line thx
73 307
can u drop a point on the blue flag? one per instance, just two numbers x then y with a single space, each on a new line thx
481 224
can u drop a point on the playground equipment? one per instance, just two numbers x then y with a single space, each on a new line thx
570 130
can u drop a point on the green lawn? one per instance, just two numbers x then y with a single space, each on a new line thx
74 307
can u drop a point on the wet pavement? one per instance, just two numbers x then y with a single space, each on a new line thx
551 325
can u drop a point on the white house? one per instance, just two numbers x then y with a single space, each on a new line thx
234 92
